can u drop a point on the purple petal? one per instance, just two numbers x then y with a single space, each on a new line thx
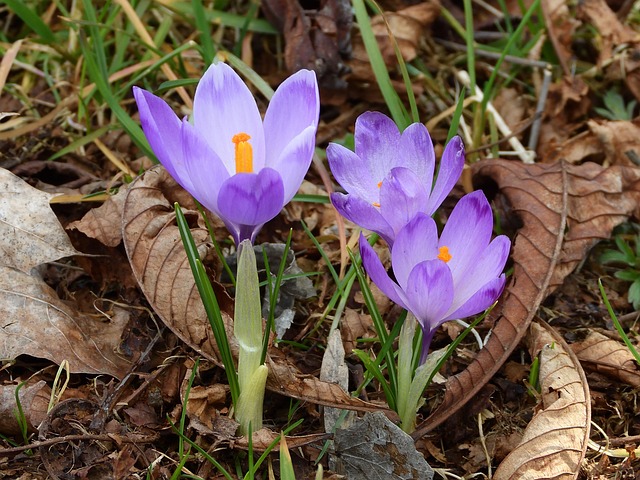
402 196
377 139
294 161
416 150
451 166
430 292
486 267
162 128
467 231
362 214
415 243
294 107
375 270
204 168
479 301
223 107
251 198
352 172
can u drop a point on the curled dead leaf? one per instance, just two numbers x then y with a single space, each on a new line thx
565 210
609 357
103 223
555 441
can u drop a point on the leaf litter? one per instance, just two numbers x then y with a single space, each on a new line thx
584 186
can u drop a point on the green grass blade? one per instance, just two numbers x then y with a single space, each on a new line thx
455 120
32 20
415 115
487 91
616 322
207 47
391 97
378 323
332 271
374 370
102 83
274 292
201 451
210 303
88 138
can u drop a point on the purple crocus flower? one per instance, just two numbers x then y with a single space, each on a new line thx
389 178
239 167
446 278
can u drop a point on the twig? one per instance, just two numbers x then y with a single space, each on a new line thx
542 100
102 437
494 55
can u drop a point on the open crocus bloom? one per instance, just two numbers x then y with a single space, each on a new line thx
389 178
239 167
446 278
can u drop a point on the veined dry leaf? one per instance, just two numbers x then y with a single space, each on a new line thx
609 357
555 441
34 400
612 31
159 261
565 210
407 26
104 223
34 321
30 233
160 265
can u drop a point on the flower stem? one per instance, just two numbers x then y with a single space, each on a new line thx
247 329
405 372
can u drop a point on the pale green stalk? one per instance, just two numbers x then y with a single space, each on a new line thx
247 329
405 366
411 385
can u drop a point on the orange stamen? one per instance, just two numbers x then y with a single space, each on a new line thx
376 204
244 153
380 184
444 254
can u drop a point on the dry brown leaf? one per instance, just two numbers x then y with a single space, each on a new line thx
160 265
407 27
555 441
612 32
609 357
103 223
30 233
619 140
159 261
34 321
34 400
565 209
317 37
355 325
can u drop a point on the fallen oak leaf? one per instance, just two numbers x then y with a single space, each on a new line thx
555 441
565 209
